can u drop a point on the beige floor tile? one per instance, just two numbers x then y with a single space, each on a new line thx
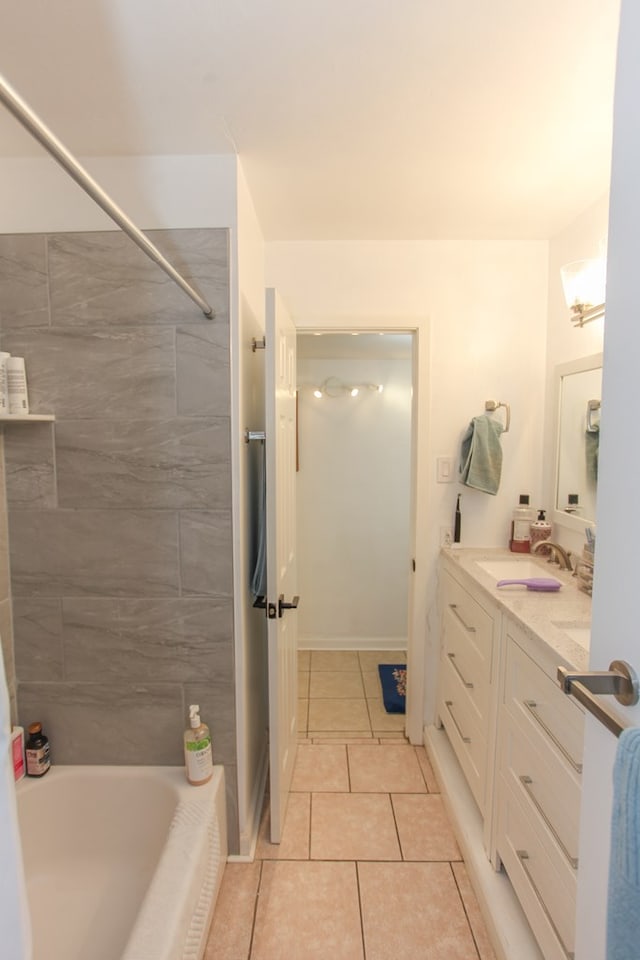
385 768
427 770
230 934
369 659
308 911
413 910
294 844
303 684
423 827
372 685
474 916
335 660
304 659
381 720
321 769
346 715
391 737
336 685
353 826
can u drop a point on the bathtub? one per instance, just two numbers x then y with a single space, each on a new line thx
121 863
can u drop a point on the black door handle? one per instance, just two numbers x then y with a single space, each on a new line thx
287 606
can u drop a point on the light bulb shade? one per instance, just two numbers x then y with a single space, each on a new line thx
318 394
584 283
354 391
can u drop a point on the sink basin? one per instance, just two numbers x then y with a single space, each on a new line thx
516 569
580 632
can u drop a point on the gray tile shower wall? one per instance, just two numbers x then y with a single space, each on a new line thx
119 514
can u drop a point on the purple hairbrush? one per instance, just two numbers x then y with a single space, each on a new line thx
533 583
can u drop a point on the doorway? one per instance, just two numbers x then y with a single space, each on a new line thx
354 480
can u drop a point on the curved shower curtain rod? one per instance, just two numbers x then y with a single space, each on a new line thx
32 123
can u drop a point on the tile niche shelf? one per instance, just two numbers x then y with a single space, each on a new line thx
27 418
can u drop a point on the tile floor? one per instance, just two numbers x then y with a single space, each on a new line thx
368 867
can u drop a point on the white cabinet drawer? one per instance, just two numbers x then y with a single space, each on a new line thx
548 788
529 693
544 882
465 730
467 626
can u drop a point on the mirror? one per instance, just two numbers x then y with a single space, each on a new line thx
579 389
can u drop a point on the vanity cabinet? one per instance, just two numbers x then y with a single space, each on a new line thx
538 790
465 701
515 740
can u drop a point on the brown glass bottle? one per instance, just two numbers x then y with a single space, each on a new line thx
37 751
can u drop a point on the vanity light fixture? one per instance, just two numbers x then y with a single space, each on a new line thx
332 387
584 283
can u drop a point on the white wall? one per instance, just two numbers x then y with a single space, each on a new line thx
38 196
353 510
482 306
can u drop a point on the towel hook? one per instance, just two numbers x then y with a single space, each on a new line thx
492 405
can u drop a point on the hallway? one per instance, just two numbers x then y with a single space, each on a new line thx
368 868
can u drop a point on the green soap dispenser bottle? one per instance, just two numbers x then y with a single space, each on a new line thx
198 756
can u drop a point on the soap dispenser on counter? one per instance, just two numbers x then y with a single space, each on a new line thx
541 530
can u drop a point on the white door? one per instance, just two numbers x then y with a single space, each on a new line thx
615 632
282 582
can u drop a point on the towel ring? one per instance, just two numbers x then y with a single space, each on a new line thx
492 405
593 424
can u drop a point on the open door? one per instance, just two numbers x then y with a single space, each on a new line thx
282 578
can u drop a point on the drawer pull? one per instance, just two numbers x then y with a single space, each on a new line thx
531 706
454 610
527 783
448 704
523 856
452 658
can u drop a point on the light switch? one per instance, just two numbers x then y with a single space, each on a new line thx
445 469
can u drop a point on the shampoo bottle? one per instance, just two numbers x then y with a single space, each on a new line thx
198 756
541 530
520 541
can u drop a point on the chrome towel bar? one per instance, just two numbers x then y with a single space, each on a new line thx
619 681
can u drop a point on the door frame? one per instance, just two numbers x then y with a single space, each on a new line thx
418 695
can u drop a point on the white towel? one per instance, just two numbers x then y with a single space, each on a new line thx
15 931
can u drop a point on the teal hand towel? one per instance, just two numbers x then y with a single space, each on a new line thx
591 445
623 915
481 455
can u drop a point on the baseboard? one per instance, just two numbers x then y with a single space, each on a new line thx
249 837
507 926
351 643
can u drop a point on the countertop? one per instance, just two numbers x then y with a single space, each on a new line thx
537 613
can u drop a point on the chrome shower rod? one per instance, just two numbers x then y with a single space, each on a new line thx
32 123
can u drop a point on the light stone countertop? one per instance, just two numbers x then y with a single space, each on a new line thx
536 612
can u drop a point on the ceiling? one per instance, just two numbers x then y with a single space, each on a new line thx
354 119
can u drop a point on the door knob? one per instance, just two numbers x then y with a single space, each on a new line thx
287 606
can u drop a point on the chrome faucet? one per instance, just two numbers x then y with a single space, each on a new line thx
561 556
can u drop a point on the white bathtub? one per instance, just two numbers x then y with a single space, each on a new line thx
122 863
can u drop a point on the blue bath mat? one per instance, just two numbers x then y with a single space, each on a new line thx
393 677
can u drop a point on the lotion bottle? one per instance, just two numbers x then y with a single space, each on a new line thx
523 515
198 757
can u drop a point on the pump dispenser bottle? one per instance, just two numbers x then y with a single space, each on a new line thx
541 530
198 756
523 516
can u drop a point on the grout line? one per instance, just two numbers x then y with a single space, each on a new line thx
255 911
464 906
364 945
403 859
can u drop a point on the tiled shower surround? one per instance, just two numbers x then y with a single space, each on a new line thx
120 512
